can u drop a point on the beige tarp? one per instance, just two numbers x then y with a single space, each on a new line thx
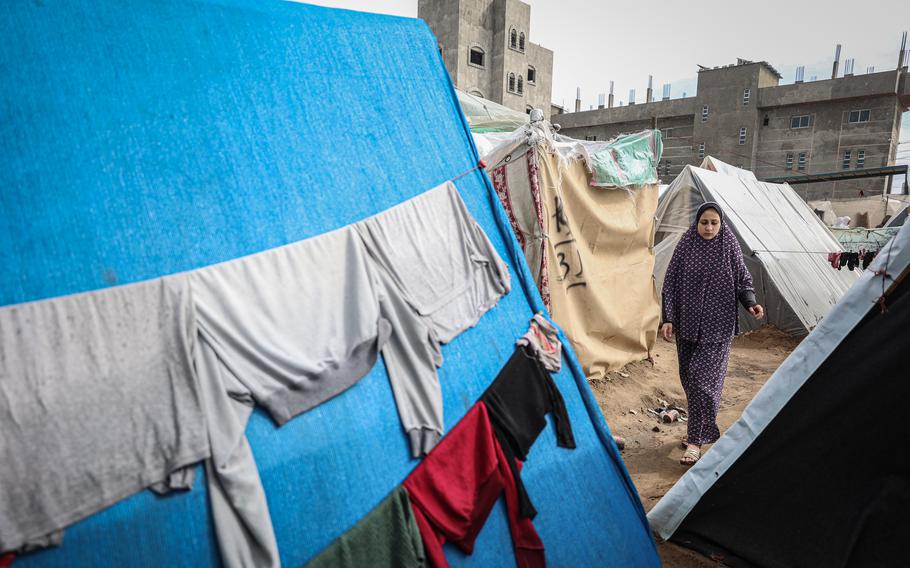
600 264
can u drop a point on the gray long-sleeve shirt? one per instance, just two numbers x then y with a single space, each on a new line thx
98 400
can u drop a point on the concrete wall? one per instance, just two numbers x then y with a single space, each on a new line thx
460 25
856 87
829 135
538 95
826 139
722 91
442 17
633 113
475 29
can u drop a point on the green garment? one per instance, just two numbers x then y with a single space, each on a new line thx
387 537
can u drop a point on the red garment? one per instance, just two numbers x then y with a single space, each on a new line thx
7 559
454 489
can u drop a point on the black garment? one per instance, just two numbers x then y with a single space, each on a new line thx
868 258
518 401
747 298
852 260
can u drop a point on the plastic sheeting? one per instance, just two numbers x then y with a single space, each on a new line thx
143 139
626 161
785 245
487 116
855 240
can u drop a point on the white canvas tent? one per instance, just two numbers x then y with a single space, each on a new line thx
784 243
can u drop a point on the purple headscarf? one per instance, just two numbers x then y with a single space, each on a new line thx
702 283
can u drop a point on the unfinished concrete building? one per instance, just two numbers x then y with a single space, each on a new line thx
487 49
742 115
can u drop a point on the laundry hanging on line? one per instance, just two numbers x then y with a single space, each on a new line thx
852 260
452 492
249 352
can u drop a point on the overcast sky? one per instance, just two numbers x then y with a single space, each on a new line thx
596 41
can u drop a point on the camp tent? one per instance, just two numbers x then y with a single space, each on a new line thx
785 245
146 139
486 116
589 247
868 212
898 218
814 473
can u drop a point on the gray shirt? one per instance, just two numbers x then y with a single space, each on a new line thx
98 400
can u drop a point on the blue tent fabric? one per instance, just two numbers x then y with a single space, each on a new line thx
141 139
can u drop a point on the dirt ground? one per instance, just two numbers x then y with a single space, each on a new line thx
653 449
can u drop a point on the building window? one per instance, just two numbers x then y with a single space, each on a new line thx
521 41
765 121
701 150
801 164
513 39
747 94
704 113
860 159
667 165
789 165
859 116
532 75
846 162
476 57
521 85
801 121
668 132
591 138
742 136
511 82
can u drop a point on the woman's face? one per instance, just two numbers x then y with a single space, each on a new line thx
709 224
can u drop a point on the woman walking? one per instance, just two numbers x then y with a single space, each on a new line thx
705 279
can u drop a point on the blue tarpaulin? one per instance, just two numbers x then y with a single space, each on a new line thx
140 139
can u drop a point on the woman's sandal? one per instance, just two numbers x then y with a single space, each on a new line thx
691 456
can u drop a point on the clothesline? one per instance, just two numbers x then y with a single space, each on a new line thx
480 165
794 251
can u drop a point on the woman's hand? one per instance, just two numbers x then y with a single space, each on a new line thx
757 311
666 330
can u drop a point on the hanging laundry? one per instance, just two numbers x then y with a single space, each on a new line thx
286 329
868 257
100 401
542 339
433 255
387 537
518 401
834 259
291 327
454 489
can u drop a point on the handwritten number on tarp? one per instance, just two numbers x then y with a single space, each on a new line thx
571 269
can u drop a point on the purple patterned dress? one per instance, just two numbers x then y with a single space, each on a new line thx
704 280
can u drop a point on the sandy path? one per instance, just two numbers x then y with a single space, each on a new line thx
652 457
